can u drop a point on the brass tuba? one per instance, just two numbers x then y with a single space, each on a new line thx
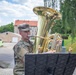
46 20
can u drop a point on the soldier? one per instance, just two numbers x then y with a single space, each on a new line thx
23 47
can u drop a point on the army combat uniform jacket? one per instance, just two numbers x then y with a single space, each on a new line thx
20 49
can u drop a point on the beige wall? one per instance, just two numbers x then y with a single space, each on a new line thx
8 36
16 29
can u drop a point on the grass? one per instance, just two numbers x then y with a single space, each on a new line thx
68 44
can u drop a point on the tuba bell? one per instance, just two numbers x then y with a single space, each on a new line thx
46 20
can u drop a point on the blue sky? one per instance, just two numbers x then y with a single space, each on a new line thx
11 10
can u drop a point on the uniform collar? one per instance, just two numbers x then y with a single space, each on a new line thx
26 43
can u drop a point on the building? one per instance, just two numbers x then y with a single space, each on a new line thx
33 26
10 37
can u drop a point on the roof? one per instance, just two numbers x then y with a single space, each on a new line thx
31 23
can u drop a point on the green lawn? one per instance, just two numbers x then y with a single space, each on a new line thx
68 44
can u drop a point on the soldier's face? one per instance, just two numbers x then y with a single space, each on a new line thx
25 34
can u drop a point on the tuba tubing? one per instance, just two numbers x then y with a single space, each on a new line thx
46 18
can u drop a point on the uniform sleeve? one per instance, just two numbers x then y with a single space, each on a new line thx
20 52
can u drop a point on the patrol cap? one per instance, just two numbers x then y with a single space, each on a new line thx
24 27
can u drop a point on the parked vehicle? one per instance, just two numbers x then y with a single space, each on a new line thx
1 43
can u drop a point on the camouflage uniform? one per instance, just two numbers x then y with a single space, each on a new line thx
20 49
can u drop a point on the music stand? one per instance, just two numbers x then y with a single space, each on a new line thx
50 64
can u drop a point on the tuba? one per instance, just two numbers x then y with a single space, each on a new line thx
46 20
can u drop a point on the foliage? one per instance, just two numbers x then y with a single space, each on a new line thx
67 25
68 10
8 27
58 27
68 44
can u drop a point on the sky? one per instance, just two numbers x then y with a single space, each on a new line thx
11 10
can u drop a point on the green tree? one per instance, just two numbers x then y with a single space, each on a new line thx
68 10
8 27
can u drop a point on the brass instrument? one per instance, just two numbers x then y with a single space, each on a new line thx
46 20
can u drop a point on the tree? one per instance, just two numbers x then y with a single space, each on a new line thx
8 27
68 11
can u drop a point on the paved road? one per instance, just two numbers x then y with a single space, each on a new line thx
7 55
6 71
7 60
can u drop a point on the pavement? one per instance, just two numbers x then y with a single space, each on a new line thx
6 71
7 59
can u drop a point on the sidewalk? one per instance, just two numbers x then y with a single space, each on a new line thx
7 59
6 71
7 55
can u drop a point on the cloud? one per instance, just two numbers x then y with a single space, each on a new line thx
4 14
0 20
20 1
18 9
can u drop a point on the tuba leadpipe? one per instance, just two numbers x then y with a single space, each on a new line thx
46 18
